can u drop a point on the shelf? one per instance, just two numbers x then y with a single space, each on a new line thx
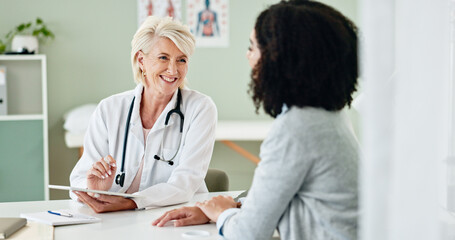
22 57
25 84
24 129
21 117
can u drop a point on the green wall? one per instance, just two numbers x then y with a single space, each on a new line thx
89 60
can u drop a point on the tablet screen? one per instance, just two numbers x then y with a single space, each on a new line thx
126 195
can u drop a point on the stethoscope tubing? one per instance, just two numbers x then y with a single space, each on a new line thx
127 128
121 177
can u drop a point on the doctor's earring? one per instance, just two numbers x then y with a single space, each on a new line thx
143 76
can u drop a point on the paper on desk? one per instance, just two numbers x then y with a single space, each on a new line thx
55 220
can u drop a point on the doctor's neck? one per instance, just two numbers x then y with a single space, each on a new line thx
152 105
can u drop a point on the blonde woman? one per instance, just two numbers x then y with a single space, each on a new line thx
155 140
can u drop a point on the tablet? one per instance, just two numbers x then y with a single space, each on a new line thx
126 195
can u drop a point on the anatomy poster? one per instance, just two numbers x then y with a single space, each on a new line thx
209 22
160 8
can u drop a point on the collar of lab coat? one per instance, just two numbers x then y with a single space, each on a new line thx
136 123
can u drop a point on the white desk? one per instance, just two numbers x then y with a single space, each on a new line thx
130 225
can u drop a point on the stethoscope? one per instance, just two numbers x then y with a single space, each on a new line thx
120 178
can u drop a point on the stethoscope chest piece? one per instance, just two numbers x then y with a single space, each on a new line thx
120 179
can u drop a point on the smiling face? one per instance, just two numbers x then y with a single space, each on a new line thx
165 67
253 54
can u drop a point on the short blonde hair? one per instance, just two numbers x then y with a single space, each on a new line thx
153 27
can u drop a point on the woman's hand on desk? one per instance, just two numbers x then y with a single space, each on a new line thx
102 173
215 206
104 203
184 216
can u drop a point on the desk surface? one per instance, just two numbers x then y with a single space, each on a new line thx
116 225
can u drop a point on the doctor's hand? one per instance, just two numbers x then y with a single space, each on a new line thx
184 216
104 203
102 173
215 206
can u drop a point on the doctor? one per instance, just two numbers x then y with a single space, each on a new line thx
161 132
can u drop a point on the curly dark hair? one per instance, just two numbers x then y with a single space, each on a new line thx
308 57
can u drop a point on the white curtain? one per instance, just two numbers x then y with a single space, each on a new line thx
406 118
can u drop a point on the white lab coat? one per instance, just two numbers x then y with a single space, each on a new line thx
161 183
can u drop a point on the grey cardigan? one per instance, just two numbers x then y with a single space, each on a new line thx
306 182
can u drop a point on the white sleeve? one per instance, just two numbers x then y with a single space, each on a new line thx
95 147
194 161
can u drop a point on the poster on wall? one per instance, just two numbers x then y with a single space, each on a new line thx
160 8
209 22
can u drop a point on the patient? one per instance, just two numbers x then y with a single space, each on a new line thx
304 60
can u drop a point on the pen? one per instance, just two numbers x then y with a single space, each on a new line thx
60 214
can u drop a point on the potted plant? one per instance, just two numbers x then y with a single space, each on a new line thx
27 36
2 46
